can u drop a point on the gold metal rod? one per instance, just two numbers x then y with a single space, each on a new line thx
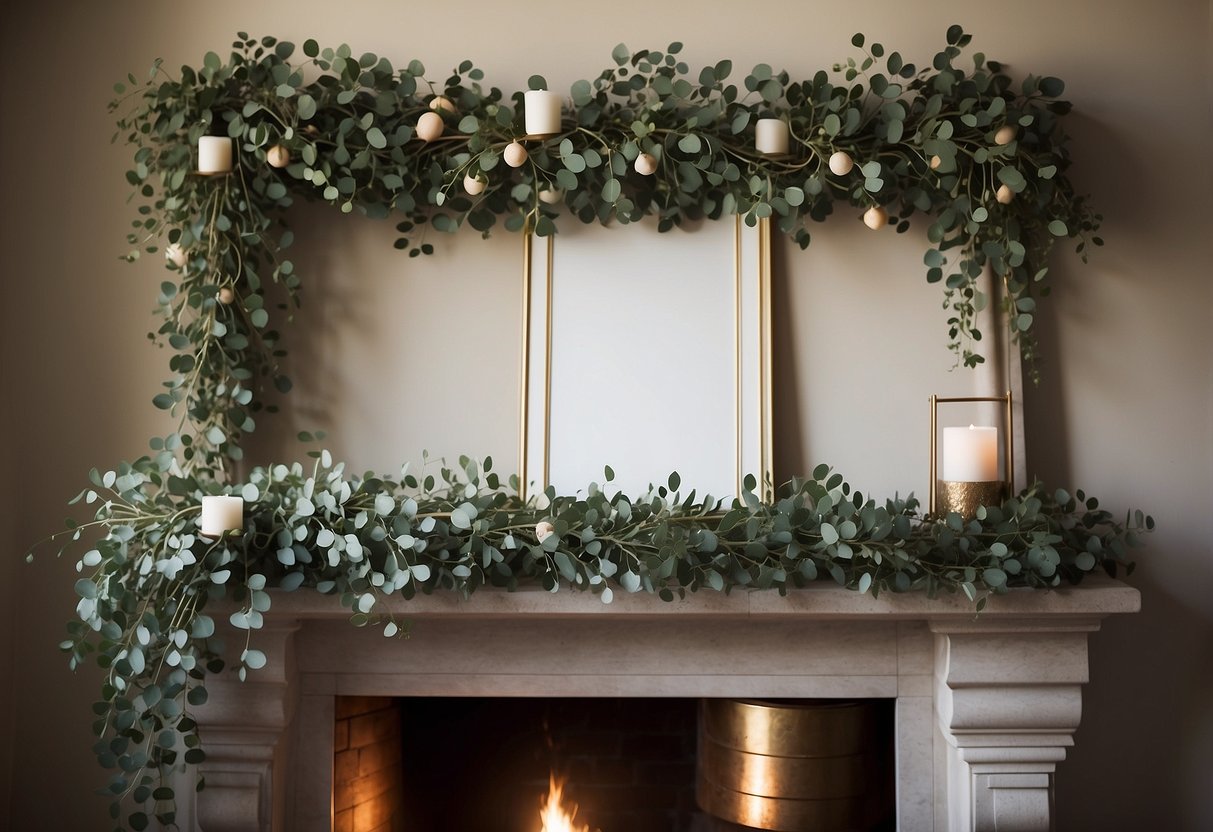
547 374
942 399
767 486
931 488
525 364
1010 446
737 425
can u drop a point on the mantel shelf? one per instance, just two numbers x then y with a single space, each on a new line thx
986 704
1096 597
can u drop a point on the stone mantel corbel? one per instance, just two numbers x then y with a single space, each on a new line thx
1008 698
243 727
986 704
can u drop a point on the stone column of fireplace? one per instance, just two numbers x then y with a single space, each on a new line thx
243 726
1008 698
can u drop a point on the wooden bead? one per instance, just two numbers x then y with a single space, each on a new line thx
429 126
278 156
645 164
876 218
841 163
515 154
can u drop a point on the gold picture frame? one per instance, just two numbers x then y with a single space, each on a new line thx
709 291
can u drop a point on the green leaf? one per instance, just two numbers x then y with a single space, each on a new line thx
253 659
305 105
690 143
994 577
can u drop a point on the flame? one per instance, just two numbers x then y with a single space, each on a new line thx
553 814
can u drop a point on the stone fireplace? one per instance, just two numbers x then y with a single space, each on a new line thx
985 705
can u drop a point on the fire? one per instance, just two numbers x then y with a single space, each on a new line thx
554 816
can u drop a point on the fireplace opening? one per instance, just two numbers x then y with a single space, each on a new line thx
473 764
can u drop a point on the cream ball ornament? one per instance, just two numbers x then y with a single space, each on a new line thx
226 295
1005 135
876 218
841 163
936 161
278 156
645 164
474 185
429 126
1004 194
441 102
543 530
515 154
551 196
175 254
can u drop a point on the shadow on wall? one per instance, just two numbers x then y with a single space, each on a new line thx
788 417
1131 724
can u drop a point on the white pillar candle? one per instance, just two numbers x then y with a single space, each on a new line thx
771 136
542 109
221 514
214 154
970 454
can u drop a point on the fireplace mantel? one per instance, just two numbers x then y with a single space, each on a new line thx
986 704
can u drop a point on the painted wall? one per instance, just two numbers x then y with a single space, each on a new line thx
1125 409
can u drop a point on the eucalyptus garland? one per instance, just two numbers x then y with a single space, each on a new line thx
982 159
151 581
982 162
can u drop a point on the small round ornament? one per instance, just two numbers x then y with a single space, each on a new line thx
645 164
841 163
278 156
876 218
429 126
515 154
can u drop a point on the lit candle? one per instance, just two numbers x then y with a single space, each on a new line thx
970 454
221 514
542 109
214 154
771 136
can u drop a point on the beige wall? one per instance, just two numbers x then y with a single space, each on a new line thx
1125 410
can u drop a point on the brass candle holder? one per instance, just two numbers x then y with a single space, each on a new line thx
963 497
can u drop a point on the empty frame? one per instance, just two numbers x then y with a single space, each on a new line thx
647 352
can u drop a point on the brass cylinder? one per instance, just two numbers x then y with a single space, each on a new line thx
965 497
806 765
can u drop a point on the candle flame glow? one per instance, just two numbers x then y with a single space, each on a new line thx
553 814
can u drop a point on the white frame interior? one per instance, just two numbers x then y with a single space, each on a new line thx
594 389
